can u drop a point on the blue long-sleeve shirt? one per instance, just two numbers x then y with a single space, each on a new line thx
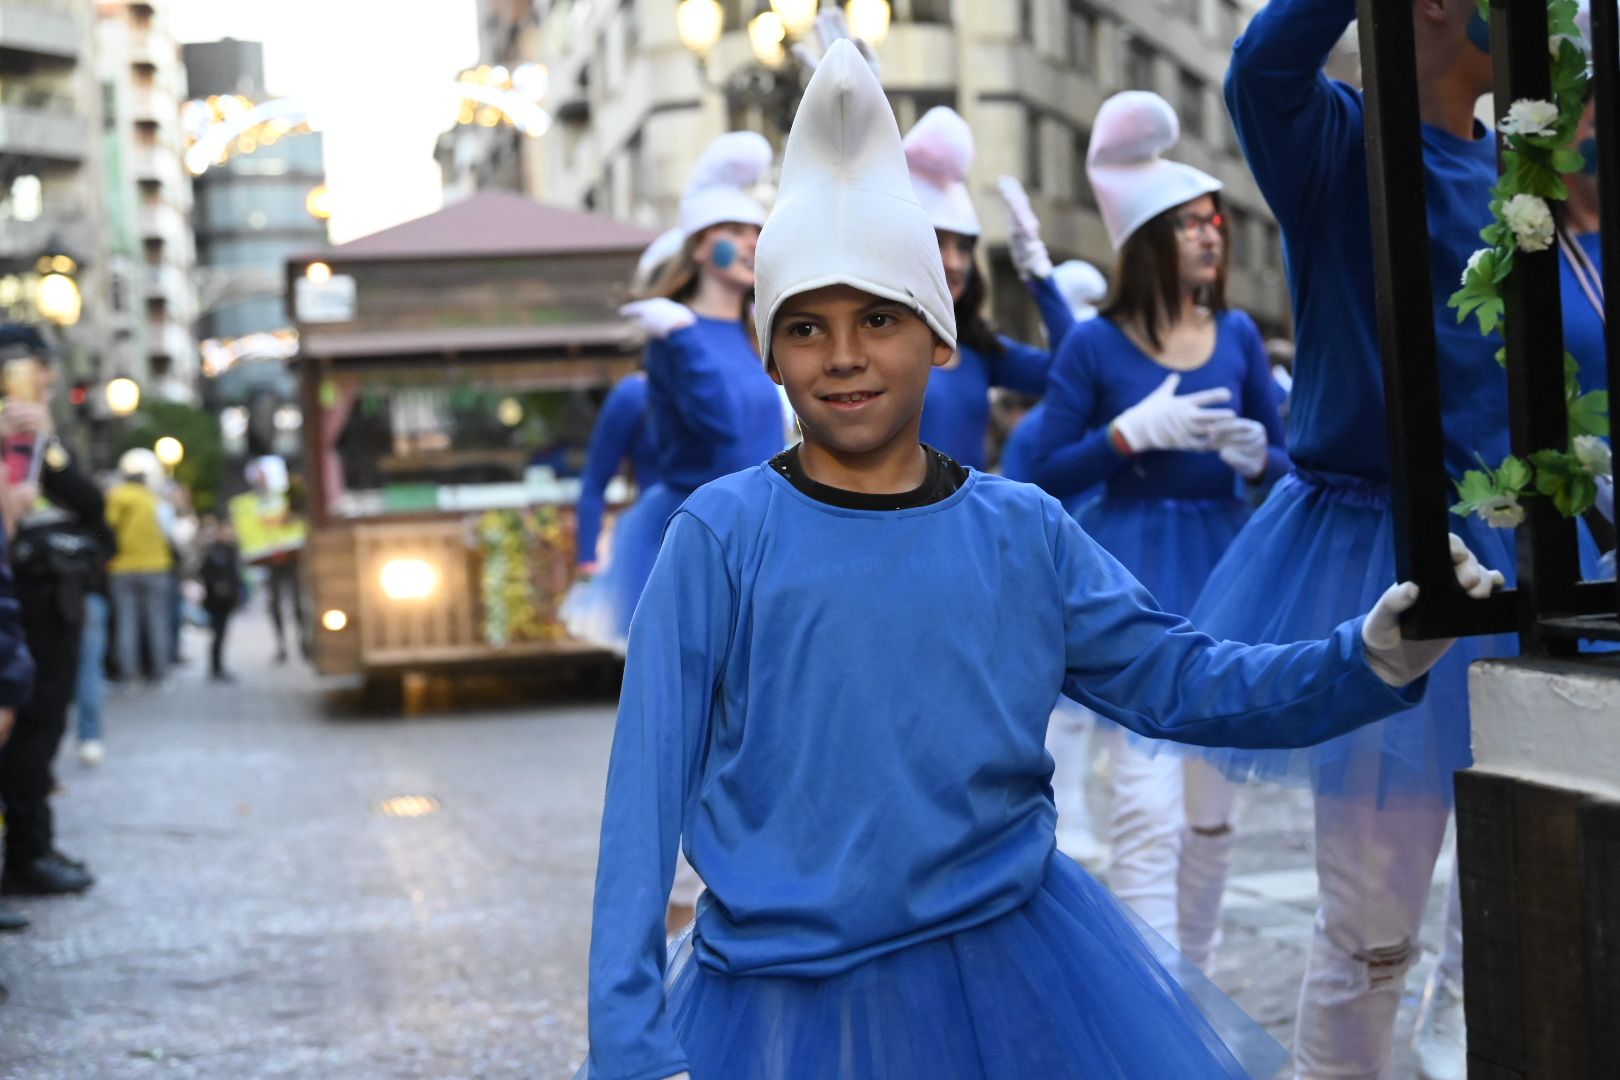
713 408
621 432
1099 372
1303 137
956 412
843 713
1583 324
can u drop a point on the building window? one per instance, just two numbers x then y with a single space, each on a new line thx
909 105
1191 104
923 11
1032 150
1026 21
1139 63
1082 193
1237 231
1082 37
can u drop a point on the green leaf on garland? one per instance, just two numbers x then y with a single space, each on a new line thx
1589 414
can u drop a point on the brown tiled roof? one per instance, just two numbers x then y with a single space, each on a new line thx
491 224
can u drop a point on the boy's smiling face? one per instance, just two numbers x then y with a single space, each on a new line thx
855 367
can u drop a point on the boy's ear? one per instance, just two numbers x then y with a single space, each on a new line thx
770 369
942 353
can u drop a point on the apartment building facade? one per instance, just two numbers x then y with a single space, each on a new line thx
632 108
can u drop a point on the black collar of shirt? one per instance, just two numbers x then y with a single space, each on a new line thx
944 478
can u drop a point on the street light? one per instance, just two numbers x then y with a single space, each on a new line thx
796 15
123 396
766 33
868 20
59 299
170 452
699 22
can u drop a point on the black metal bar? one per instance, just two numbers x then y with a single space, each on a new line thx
1606 91
1419 487
1538 417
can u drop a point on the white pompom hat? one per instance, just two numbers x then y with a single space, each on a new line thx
659 252
845 212
1133 183
718 189
1082 285
939 154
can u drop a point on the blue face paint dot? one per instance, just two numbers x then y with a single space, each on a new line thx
723 254
1479 32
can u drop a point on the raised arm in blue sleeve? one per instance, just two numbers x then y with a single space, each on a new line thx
1260 401
623 413
1071 451
678 642
1056 314
16 662
1297 127
1020 367
1155 674
696 381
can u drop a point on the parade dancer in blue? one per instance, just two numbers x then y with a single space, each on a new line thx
1167 399
836 692
1324 541
599 605
939 153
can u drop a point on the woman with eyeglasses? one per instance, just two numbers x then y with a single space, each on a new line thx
1167 400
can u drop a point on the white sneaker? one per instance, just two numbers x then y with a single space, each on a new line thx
92 753
1441 1038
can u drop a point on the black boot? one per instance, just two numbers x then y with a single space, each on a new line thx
44 876
11 921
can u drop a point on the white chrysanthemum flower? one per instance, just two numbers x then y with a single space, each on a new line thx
1502 512
1531 221
1529 116
1473 263
1594 455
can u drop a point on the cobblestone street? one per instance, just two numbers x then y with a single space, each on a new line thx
259 915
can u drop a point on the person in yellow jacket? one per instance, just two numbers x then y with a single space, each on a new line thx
140 572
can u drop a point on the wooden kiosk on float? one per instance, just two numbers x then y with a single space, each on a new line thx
450 369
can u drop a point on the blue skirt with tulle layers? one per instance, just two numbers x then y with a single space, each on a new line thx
1062 988
599 610
1320 551
1170 545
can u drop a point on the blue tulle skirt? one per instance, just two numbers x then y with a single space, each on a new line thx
1320 551
1063 987
599 610
1170 545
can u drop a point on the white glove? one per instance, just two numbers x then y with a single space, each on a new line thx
831 26
1605 497
1164 421
1024 239
1393 658
1243 445
659 317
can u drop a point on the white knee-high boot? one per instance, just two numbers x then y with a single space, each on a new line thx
1206 861
1069 739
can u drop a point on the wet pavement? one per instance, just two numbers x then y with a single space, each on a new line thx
264 910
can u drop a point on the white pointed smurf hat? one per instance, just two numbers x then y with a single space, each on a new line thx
1082 285
939 153
718 189
845 213
659 252
1133 182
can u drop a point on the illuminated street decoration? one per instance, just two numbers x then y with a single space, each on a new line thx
492 95
224 125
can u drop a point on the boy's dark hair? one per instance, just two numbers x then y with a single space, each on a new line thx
972 328
1147 278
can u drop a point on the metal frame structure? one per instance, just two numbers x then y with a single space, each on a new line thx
1551 609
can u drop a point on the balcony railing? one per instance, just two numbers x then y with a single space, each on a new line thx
43 27
1552 609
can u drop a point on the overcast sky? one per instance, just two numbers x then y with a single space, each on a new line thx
381 70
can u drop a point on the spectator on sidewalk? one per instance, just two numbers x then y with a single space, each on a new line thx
16 665
90 687
141 571
221 577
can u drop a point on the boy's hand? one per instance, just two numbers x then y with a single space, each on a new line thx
1393 658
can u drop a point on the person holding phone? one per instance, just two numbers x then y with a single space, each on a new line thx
61 543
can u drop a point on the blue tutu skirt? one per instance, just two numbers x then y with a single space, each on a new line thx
599 610
1170 545
1063 987
1320 551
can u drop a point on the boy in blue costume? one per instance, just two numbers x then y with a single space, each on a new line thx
1323 544
836 693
